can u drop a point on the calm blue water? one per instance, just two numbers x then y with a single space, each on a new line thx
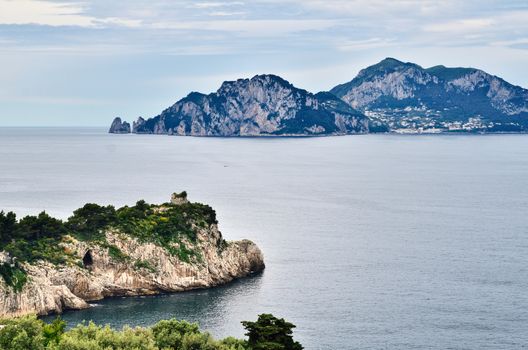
371 242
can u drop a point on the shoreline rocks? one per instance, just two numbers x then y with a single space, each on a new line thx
96 271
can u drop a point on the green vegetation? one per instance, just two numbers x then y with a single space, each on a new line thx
267 333
143 264
14 276
117 254
165 225
33 238
270 333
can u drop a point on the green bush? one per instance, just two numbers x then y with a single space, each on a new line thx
14 276
89 221
116 253
93 337
29 333
143 264
22 334
53 331
271 333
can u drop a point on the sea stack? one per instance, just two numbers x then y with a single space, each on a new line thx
119 127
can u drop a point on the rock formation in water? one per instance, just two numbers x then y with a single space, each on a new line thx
146 260
405 96
262 105
119 127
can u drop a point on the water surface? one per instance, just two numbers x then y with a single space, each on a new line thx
371 242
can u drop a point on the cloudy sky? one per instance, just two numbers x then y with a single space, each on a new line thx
83 62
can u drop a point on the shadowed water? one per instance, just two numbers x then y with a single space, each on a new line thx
371 242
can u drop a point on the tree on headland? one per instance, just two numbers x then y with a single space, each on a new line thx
271 333
8 223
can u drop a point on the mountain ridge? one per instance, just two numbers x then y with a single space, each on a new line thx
406 96
389 96
264 105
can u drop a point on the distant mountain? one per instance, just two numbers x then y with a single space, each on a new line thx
389 96
262 105
408 98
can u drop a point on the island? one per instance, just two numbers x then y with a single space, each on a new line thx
389 96
265 105
48 265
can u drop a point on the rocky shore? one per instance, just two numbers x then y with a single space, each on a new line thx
139 268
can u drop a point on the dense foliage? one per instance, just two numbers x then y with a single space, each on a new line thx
13 275
271 333
24 333
38 237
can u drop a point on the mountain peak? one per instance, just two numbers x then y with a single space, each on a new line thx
271 78
264 79
386 65
390 61
405 95
265 104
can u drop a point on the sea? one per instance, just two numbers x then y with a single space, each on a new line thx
370 241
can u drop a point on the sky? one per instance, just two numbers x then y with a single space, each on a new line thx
82 63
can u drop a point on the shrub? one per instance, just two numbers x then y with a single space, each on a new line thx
95 337
28 332
53 331
271 333
89 221
116 253
22 334
143 264
14 276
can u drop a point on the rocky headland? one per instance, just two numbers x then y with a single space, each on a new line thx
103 252
265 105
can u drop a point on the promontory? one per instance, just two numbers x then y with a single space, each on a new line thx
48 265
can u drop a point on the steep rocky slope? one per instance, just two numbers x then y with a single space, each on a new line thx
388 96
120 263
405 95
262 105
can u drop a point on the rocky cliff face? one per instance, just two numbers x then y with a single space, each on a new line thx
388 96
139 269
262 105
405 94
119 127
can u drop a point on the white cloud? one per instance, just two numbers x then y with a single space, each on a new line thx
53 14
207 5
463 25
358 45
226 13
521 42
256 28
132 23
378 8
42 12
